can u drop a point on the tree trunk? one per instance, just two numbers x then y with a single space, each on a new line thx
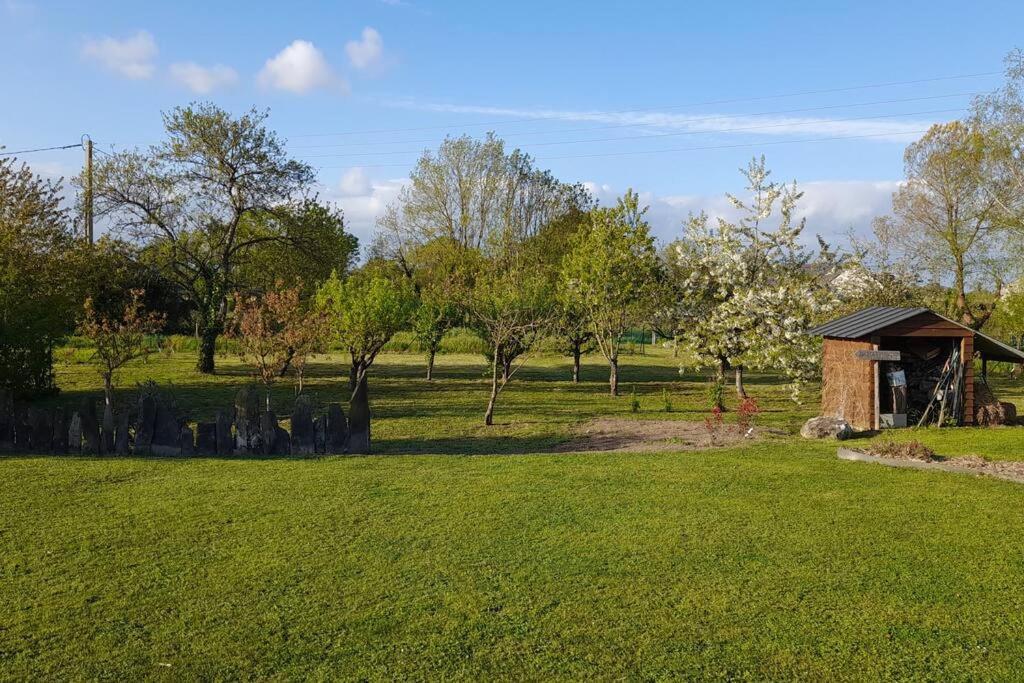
207 351
741 391
576 365
506 368
353 376
489 415
108 389
430 364
287 364
613 376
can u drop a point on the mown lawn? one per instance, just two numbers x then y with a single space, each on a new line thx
775 560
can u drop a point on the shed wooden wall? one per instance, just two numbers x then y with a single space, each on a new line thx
931 325
848 382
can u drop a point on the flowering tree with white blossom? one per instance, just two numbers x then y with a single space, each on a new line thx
753 289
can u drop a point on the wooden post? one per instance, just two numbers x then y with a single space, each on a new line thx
877 419
87 208
967 358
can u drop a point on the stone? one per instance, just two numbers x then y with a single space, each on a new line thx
336 428
121 436
273 438
22 431
75 433
187 441
42 430
59 438
303 434
90 427
359 421
206 438
225 440
826 427
282 442
247 421
146 425
166 432
107 430
6 420
320 434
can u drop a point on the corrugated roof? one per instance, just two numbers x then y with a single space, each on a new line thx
863 323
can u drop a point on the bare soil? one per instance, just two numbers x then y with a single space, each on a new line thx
972 464
624 435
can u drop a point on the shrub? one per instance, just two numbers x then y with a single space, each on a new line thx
746 412
634 402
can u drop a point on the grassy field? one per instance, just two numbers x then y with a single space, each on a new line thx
772 560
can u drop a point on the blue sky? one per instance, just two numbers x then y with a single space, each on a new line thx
614 95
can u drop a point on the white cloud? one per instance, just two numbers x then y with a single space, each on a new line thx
671 126
300 68
131 57
363 200
354 183
831 207
203 79
367 53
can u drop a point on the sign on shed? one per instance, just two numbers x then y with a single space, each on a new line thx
878 355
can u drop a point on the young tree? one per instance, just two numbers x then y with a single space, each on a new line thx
261 324
753 290
277 332
611 276
202 201
510 306
364 312
118 340
574 334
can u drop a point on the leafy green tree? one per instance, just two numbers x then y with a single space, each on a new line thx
313 244
216 189
39 261
364 312
510 305
612 276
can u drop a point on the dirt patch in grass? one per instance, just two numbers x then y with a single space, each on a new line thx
618 434
916 451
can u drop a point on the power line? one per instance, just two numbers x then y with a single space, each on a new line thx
676 106
39 149
662 135
652 125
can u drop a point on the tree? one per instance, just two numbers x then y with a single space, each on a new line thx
611 275
118 340
999 119
574 334
277 332
39 261
489 207
313 243
944 216
202 201
261 324
510 306
434 269
754 289
364 312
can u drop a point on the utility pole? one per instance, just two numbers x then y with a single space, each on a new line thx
87 209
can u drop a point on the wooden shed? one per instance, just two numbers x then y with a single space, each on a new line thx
883 360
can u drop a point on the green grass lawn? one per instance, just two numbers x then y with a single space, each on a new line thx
774 560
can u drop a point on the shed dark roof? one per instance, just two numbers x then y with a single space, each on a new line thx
863 323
